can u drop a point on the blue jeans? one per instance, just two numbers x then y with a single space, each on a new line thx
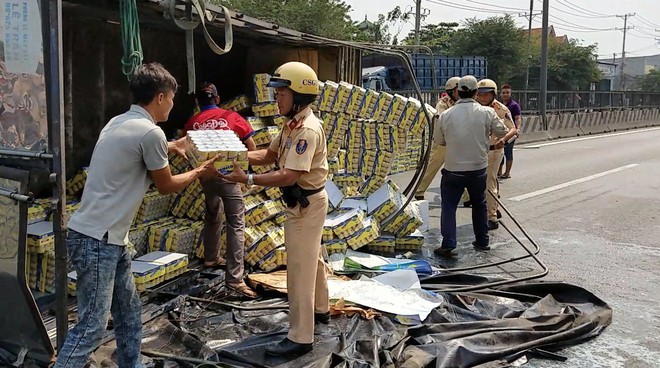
452 185
104 285
508 151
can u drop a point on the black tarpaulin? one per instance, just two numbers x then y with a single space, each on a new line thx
470 329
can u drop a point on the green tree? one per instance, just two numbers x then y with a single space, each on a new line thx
496 38
326 18
438 37
372 32
651 81
571 66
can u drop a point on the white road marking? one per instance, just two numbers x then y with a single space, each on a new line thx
590 137
570 183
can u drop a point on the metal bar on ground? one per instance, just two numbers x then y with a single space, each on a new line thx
530 254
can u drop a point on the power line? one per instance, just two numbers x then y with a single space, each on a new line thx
641 35
647 22
579 30
654 45
561 23
646 31
498 6
579 26
466 7
578 15
584 9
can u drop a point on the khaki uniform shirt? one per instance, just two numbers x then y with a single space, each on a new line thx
503 113
303 149
444 103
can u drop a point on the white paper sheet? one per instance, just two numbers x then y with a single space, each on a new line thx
385 298
400 279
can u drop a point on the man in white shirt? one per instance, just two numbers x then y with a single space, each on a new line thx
465 130
130 154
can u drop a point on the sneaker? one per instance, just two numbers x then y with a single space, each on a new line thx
480 247
493 225
445 252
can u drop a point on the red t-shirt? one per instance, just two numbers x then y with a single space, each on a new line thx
215 118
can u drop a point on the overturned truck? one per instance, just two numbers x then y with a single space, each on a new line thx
57 98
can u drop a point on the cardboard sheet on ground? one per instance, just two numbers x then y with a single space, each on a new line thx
396 292
277 280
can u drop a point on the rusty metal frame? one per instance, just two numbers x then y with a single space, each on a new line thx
24 304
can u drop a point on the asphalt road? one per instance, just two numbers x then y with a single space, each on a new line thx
593 205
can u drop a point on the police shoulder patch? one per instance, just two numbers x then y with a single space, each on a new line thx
301 146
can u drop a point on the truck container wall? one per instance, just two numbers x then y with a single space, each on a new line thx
446 67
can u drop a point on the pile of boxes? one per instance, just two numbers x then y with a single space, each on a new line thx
40 256
370 135
148 271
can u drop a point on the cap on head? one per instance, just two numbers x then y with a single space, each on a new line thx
297 76
467 83
452 83
487 85
206 90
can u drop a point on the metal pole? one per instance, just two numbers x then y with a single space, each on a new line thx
622 82
418 19
529 42
543 87
51 13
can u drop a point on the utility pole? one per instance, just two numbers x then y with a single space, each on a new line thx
529 16
622 82
418 19
543 95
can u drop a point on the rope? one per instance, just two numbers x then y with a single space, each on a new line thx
130 35
204 17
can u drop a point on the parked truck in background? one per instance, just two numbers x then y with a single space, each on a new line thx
386 73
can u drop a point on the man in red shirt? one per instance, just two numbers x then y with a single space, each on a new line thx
211 117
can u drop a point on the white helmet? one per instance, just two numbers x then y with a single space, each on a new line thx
452 83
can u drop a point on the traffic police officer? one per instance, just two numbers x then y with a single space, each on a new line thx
301 154
486 93
438 152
